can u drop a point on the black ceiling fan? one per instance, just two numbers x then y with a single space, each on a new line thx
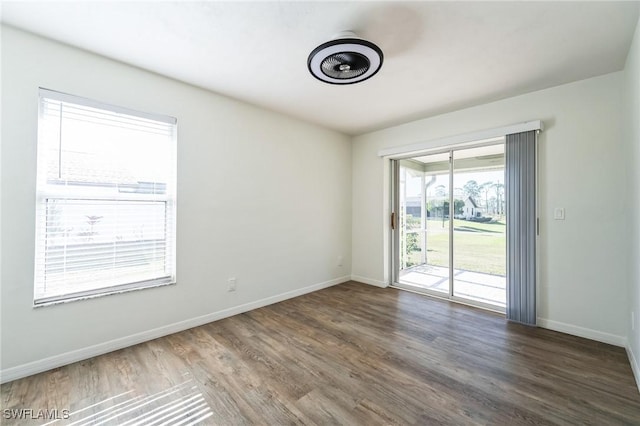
346 59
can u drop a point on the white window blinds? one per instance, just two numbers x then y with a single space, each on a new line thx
106 199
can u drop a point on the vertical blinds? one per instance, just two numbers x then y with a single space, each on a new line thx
520 187
106 199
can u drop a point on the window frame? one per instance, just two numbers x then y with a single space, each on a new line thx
46 191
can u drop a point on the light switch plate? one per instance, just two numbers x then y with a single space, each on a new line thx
558 213
232 284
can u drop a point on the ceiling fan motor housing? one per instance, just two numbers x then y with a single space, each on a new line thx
345 60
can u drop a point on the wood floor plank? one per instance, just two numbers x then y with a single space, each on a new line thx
349 354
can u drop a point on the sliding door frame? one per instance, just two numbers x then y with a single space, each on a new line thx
394 202
395 232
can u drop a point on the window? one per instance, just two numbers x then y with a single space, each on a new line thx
106 199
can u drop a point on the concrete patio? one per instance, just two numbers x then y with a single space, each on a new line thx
476 286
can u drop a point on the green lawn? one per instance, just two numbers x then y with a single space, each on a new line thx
479 247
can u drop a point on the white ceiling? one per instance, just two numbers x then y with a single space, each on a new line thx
439 56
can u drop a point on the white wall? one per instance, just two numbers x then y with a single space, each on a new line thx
632 137
583 261
261 197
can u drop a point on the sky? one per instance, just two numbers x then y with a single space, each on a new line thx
460 179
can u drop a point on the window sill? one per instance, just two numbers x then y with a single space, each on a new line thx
109 292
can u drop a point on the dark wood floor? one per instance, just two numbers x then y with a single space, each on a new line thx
350 354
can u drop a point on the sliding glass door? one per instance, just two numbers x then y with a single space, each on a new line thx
424 222
450 237
479 231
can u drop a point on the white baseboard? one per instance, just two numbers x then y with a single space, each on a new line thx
369 281
634 365
587 333
55 361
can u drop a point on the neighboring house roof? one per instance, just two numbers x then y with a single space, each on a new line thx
89 168
472 201
79 168
413 202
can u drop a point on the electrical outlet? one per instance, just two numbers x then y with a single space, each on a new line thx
340 260
232 284
558 213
